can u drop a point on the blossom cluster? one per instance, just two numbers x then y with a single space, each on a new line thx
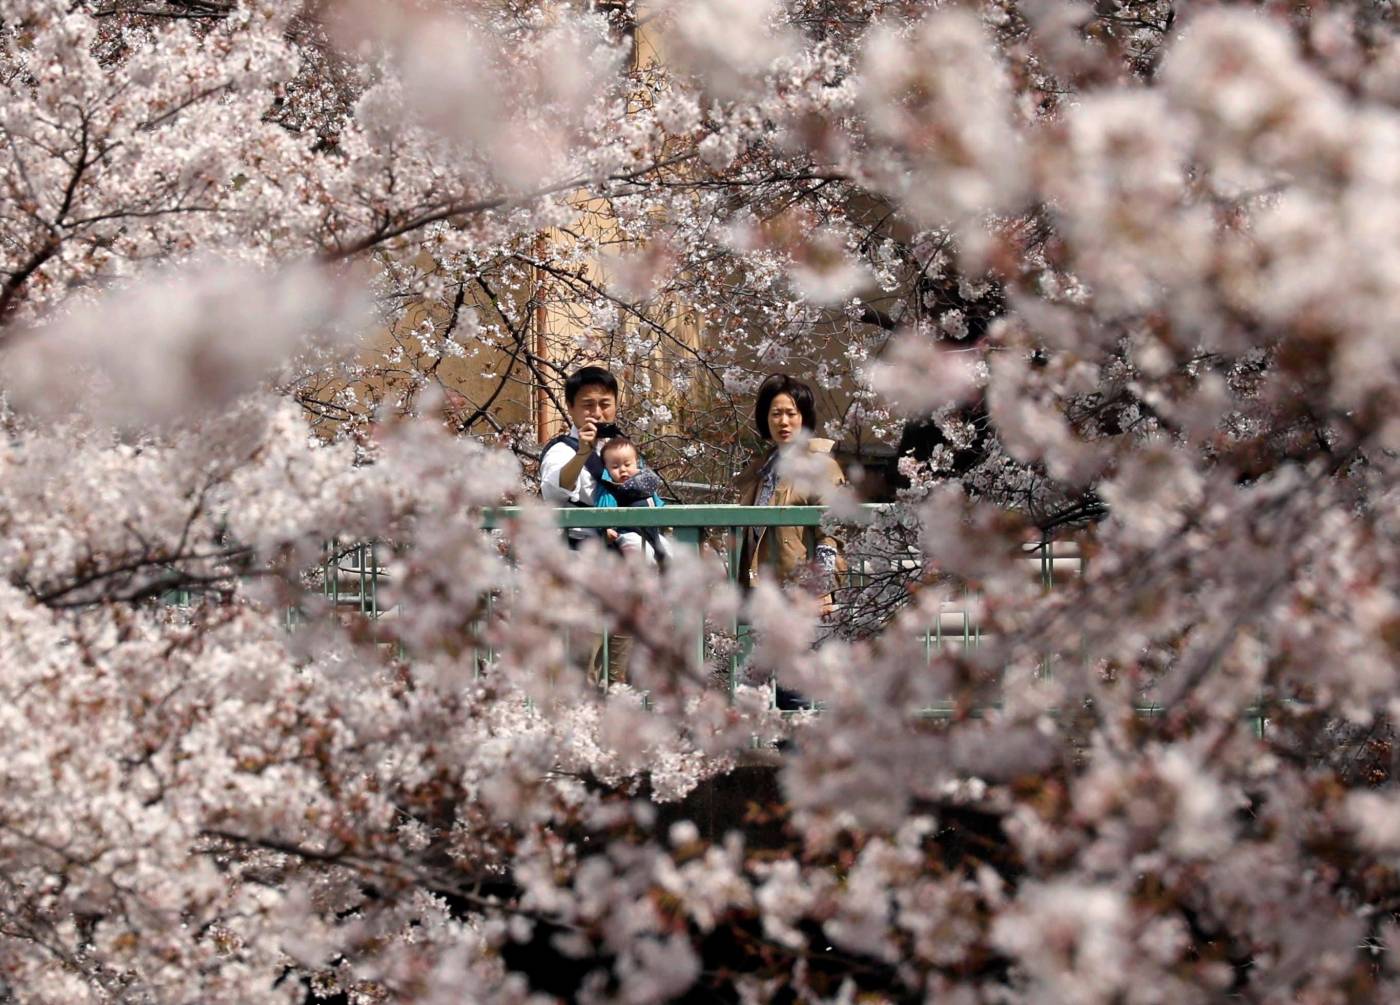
1113 282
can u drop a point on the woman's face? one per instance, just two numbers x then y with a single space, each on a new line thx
784 420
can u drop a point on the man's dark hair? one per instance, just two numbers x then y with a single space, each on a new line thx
588 376
800 393
615 442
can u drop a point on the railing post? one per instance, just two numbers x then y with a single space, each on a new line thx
1047 582
732 544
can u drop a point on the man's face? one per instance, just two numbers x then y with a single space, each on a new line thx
593 401
621 463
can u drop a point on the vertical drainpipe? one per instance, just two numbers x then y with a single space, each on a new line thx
541 345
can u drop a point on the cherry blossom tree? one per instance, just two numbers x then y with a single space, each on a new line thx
1116 277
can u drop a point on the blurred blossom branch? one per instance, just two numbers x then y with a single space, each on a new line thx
1102 295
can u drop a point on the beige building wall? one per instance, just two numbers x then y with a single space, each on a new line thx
392 367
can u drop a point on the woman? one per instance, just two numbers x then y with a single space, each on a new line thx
785 409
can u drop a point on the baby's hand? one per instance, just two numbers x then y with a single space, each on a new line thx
612 534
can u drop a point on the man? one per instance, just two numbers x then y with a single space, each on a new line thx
570 467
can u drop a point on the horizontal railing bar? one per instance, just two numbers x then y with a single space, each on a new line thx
950 710
586 517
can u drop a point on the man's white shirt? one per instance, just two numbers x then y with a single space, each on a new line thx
552 463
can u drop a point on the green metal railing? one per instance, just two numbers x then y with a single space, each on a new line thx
352 575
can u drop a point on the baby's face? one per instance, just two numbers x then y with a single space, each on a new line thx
621 463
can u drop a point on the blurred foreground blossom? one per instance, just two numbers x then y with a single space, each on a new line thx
519 105
295 686
180 344
915 375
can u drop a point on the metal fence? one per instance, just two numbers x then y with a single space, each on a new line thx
354 576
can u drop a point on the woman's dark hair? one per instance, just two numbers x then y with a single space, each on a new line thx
586 377
800 393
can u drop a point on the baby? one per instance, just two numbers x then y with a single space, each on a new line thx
628 483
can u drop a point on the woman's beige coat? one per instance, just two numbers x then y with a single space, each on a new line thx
794 544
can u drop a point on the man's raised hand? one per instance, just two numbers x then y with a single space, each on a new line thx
587 436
